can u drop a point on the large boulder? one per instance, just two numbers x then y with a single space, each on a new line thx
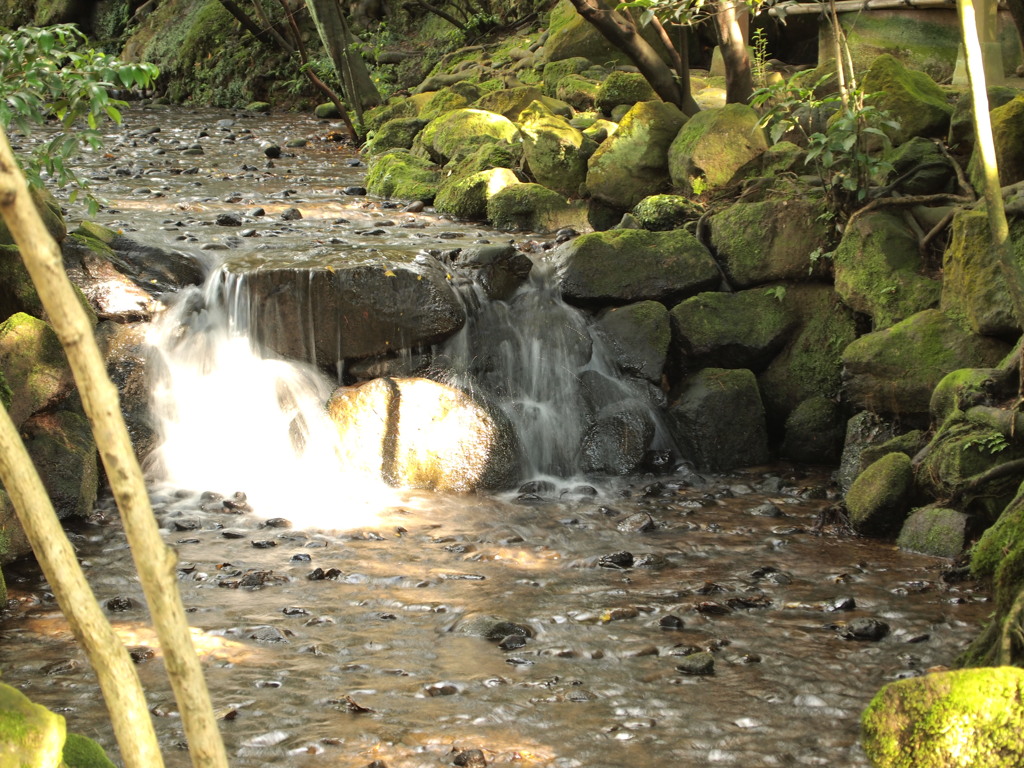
511 102
465 197
878 501
531 208
33 736
910 97
864 430
962 718
894 371
623 88
639 336
570 36
719 420
499 269
34 367
973 283
633 163
628 265
419 433
814 432
577 91
879 270
713 146
773 240
921 168
553 72
456 134
556 152
399 133
63 449
961 124
363 306
617 441
935 531
401 175
111 294
660 213
1007 128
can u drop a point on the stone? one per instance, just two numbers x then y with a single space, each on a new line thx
111 294
63 449
499 269
863 430
556 153
554 71
531 208
961 389
465 197
30 735
963 718
702 663
923 168
82 752
768 241
894 371
617 442
660 213
626 266
17 292
457 133
577 91
570 36
878 270
446 100
419 433
719 420
911 98
399 133
814 432
49 211
511 102
34 366
623 88
399 174
878 499
713 146
935 531
127 355
961 124
639 335
973 284
746 329
633 164
14 543
1007 128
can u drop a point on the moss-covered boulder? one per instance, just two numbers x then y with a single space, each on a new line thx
921 168
553 72
810 363
48 209
510 102
961 389
419 433
458 133
936 531
719 420
895 370
639 336
34 367
629 265
660 213
1007 128
556 153
31 736
623 88
713 146
814 432
398 133
13 541
745 329
911 98
531 208
17 292
908 443
879 499
401 175
577 91
63 449
325 111
407 106
768 241
465 197
963 718
82 752
446 100
961 123
879 271
973 285
632 164
1005 536
570 36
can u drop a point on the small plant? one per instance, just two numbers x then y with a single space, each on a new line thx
759 61
817 256
992 443
699 185
777 292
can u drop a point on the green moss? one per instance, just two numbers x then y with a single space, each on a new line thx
967 718
623 88
908 443
577 91
457 134
398 133
814 432
713 146
35 734
511 102
659 213
442 102
878 499
910 96
5 392
935 531
554 71
556 153
82 752
1001 538
398 174
465 197
529 208
959 390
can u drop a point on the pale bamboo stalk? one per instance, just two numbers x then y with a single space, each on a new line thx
118 679
847 6
154 561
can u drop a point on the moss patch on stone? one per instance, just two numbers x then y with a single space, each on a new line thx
713 146
878 499
399 174
910 96
465 197
936 531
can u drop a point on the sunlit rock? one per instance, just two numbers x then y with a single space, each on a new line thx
713 145
510 102
465 197
457 133
34 367
911 98
30 734
623 88
532 208
111 294
399 174
419 433
556 152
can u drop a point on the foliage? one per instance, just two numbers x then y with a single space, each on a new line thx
48 73
992 443
847 154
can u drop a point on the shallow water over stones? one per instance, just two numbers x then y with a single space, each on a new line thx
574 626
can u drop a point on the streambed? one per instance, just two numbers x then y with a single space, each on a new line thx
543 631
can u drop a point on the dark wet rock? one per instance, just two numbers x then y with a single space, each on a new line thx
277 522
639 335
863 430
711 608
702 663
871 630
273 151
187 525
500 269
141 654
491 628
470 758
538 487
319 574
658 462
616 560
511 642
640 522
771 574
63 449
263 544
814 432
111 294
301 557
291 214
741 602
256 212
229 220
652 561
120 604
878 500
354 191
671 622
841 604
765 510
617 442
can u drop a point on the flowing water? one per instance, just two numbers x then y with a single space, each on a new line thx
343 622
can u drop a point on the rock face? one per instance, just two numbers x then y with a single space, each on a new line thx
371 308
419 433
964 718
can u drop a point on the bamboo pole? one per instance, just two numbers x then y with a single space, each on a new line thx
118 679
154 561
845 6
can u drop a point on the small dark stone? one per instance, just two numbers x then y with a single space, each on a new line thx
511 642
640 522
657 462
277 522
710 608
537 487
871 630
256 212
118 604
229 220
616 560
272 151
377 764
842 604
749 601
230 533
301 557
702 663
671 622
319 574
264 544
652 490
187 525
766 510
354 191
294 611
291 214
500 631
141 654
414 207
470 758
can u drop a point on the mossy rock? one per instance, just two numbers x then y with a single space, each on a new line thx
639 334
409 106
629 265
959 390
1004 536
14 543
63 449
919 38
713 146
936 531
910 97
814 432
864 431
510 102
457 134
34 366
878 270
719 420
17 291
399 174
556 153
82 752
660 213
908 443
878 500
50 212
632 164
570 36
1007 128
783 157
963 718
623 88
465 197
263 108
554 71
924 168
745 329
577 91
769 241
961 124
530 208
31 736
488 156
444 101
894 371
399 133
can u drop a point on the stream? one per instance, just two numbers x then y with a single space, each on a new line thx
358 623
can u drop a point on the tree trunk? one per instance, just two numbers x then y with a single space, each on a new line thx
154 560
621 32
739 82
339 41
